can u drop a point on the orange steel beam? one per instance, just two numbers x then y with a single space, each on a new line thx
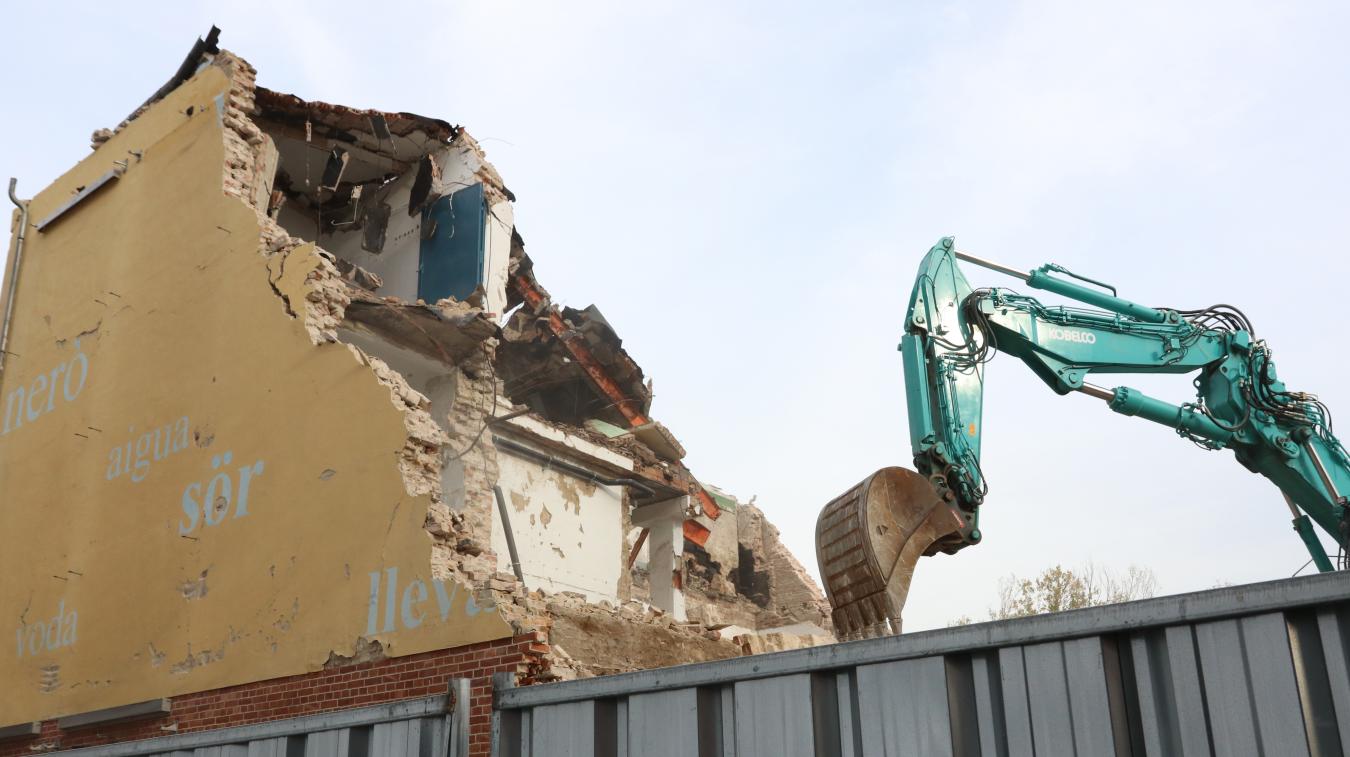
575 344
696 532
637 547
706 501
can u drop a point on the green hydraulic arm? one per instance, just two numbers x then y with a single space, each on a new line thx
952 330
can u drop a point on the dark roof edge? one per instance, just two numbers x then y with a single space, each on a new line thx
185 70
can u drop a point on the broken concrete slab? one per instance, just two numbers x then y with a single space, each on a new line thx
660 440
446 333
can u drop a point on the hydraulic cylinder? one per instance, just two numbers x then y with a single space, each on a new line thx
1040 278
1127 401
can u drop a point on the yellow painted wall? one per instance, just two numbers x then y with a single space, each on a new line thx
153 298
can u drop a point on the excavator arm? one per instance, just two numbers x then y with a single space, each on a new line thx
869 538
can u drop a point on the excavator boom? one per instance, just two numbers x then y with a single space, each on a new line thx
869 539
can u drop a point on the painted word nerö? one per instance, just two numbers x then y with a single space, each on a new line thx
33 402
210 501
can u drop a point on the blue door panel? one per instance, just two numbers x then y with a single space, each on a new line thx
452 247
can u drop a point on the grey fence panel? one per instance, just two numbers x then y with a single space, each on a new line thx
903 708
267 748
773 717
1232 721
1016 703
1270 673
393 738
322 744
621 730
1158 724
1334 632
718 735
1089 701
848 740
1260 669
1190 717
1250 686
410 728
987 686
563 729
664 724
1048 694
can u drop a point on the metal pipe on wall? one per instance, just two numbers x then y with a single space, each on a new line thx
576 470
510 535
14 271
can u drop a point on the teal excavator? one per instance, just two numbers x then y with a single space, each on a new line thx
869 539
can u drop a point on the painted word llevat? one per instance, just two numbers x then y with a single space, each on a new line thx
35 638
409 610
211 501
32 402
152 445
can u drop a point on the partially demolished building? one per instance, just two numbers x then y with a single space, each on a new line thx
291 426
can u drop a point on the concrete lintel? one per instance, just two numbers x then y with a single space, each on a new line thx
669 512
20 730
573 443
146 709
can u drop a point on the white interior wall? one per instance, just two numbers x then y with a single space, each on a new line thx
497 255
397 263
569 531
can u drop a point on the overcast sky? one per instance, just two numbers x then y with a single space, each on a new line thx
746 189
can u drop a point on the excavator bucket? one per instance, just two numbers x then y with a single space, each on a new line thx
868 540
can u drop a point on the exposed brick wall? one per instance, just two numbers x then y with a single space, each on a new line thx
338 688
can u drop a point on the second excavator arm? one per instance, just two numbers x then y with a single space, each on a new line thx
953 329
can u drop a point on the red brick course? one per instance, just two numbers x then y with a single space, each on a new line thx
326 690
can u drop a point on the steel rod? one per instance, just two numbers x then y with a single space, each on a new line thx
1293 508
991 265
1322 472
1100 393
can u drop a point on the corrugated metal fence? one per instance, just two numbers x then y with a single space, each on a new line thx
412 728
1250 670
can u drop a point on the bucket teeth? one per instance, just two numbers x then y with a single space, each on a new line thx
868 541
